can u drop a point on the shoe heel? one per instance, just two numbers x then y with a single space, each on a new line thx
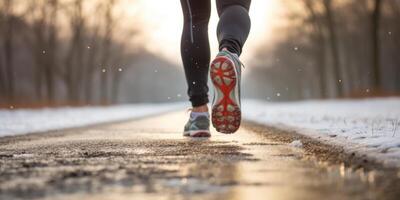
226 114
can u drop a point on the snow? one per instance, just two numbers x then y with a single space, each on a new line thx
22 121
368 127
296 143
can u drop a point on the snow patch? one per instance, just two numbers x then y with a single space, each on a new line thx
296 143
22 121
369 126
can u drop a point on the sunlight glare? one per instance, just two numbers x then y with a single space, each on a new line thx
161 23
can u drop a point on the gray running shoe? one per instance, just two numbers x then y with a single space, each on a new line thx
225 74
198 127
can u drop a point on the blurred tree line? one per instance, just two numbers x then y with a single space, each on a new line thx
70 52
330 48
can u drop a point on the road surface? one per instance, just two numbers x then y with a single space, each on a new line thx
149 159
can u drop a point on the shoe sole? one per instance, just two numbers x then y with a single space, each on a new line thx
200 133
226 114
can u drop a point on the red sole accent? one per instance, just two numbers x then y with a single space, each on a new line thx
226 114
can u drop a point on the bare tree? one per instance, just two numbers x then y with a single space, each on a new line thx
3 81
74 57
51 47
109 24
337 73
57 51
44 47
375 27
8 38
91 63
319 41
395 8
117 73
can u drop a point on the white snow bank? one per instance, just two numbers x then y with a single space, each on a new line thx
22 121
370 126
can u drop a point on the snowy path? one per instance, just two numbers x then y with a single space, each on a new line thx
149 159
369 126
22 121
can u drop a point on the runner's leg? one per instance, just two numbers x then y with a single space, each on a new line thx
195 49
234 24
232 31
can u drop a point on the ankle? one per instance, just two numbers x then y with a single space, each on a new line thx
202 108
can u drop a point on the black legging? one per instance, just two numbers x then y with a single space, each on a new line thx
232 31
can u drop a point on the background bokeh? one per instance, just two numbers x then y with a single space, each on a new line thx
89 52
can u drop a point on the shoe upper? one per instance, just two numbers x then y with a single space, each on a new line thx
234 57
199 123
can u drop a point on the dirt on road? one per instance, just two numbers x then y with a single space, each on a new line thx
149 159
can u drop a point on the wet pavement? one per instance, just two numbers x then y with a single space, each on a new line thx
149 159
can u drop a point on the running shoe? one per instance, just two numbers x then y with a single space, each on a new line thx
197 127
225 74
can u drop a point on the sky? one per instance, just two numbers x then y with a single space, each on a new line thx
161 25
